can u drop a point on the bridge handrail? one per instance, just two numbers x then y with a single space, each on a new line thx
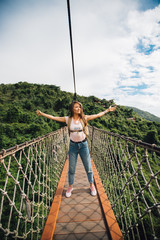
20 146
137 142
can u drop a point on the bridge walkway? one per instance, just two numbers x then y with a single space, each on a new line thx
80 217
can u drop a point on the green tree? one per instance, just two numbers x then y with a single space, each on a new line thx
151 137
12 114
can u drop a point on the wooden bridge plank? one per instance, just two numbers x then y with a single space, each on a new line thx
79 199
80 207
78 217
82 236
80 227
80 212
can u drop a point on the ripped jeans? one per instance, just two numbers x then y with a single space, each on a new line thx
82 149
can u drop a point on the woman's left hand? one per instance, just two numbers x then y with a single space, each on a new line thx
112 109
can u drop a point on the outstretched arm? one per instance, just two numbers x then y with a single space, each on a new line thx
58 119
92 117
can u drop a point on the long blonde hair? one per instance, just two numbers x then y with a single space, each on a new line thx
82 115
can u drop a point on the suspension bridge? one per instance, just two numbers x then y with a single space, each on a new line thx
33 180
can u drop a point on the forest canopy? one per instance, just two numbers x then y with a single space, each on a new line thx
19 122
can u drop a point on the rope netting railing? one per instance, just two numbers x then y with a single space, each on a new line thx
130 173
29 175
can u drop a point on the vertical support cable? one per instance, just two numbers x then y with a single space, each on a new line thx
71 43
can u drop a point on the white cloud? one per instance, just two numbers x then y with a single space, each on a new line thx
34 47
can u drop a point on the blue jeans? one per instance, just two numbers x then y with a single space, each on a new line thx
83 150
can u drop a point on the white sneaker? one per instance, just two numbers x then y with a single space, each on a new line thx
93 190
69 191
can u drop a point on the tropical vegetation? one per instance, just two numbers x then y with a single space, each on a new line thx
19 122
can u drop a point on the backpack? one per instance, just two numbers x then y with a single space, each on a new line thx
85 127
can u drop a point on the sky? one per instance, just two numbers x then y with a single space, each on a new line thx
116 48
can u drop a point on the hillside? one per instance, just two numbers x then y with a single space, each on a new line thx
146 115
19 122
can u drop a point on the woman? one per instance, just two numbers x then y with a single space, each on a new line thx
78 141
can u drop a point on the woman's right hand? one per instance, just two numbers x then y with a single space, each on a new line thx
38 112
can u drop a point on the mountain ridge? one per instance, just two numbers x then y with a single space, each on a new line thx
145 114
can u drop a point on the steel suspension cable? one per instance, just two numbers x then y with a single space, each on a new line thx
71 43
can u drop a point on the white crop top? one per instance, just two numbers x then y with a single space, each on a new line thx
76 125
